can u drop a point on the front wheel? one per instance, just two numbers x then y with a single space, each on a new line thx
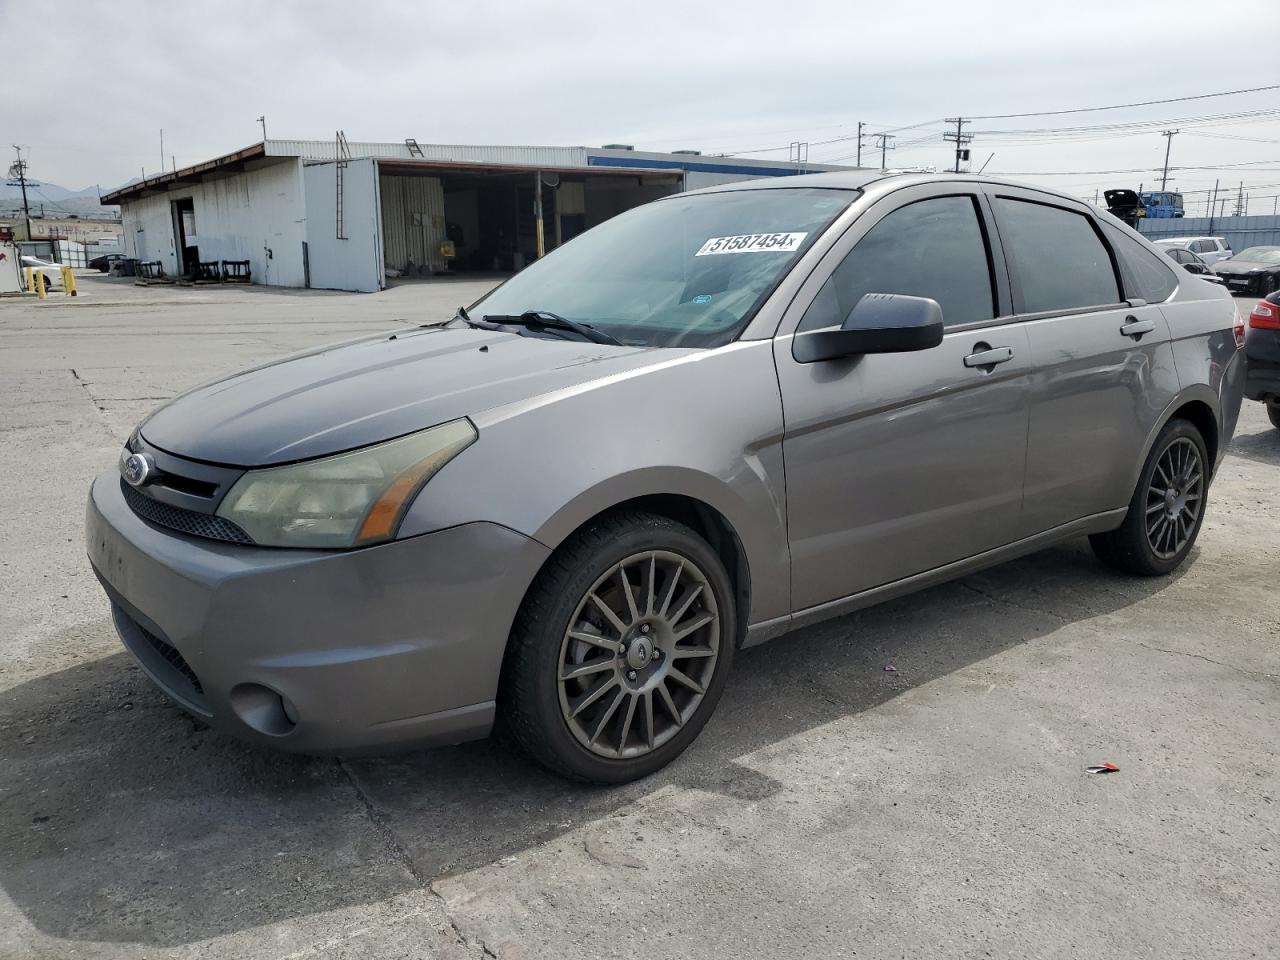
621 650
1167 508
1273 414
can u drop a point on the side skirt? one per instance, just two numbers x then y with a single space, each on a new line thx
766 630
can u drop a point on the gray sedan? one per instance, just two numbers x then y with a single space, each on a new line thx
711 420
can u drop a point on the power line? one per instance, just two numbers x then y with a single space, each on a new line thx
1125 106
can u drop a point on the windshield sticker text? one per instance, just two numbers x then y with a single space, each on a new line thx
752 243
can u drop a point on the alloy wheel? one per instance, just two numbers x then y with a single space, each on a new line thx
1175 495
639 654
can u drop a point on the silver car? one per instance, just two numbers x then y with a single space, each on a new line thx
711 420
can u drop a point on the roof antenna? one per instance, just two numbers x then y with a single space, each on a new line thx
984 164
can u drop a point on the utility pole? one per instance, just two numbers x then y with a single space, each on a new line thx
860 126
1168 142
884 139
960 139
263 120
1213 203
1239 200
162 149
18 171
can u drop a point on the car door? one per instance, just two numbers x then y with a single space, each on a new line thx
899 463
1096 347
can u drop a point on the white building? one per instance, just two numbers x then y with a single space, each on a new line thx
302 217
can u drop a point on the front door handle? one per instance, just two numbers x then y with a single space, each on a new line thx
989 357
1133 327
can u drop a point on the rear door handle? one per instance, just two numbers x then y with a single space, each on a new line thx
989 358
1133 327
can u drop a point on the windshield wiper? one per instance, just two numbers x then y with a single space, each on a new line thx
544 318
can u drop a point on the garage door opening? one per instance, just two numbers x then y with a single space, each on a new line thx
439 222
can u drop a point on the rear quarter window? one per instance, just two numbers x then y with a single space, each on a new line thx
1146 275
1058 259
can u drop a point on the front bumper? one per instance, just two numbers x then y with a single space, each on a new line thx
1247 284
317 651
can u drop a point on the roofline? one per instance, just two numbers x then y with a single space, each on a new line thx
464 166
133 191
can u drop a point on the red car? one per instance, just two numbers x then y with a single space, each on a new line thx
1262 355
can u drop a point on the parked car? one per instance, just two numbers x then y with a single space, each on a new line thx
1255 270
1192 264
1209 249
104 262
52 271
706 422
1262 355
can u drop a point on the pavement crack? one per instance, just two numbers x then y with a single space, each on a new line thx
991 597
1217 663
389 837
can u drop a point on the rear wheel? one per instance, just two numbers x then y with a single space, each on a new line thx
1167 507
1273 413
621 650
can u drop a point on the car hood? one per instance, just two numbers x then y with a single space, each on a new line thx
339 398
1237 267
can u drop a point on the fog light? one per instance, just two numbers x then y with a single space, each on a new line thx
264 710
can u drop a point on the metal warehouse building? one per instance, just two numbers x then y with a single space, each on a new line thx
344 216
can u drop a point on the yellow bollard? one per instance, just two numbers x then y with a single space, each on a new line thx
28 284
40 282
68 281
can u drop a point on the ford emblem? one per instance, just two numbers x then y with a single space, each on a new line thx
136 469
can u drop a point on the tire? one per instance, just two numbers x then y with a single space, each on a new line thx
1273 414
1159 530
638 728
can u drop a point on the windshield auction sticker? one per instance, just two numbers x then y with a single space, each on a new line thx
753 243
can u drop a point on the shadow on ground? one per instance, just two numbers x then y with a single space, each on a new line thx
1262 447
121 820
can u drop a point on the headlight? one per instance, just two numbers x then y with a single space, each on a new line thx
350 500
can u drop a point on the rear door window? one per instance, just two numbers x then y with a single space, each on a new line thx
930 248
1058 259
1146 275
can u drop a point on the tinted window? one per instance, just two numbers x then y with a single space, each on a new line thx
1203 246
1058 260
930 248
1144 273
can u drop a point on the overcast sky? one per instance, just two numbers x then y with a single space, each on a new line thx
90 98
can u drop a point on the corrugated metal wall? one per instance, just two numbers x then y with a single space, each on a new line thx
413 221
1239 232
451 153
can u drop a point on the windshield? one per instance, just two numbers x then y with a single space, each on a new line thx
687 271
1259 254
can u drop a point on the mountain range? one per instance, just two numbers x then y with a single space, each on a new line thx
57 200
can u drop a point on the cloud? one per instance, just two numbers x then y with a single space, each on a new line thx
716 76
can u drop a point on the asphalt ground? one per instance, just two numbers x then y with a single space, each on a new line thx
831 808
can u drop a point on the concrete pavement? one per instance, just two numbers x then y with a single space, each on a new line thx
830 808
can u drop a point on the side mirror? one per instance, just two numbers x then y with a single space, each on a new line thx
878 323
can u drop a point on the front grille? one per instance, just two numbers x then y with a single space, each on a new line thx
182 520
171 656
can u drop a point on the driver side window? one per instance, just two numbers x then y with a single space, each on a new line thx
930 248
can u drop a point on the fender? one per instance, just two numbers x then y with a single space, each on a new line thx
1196 392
